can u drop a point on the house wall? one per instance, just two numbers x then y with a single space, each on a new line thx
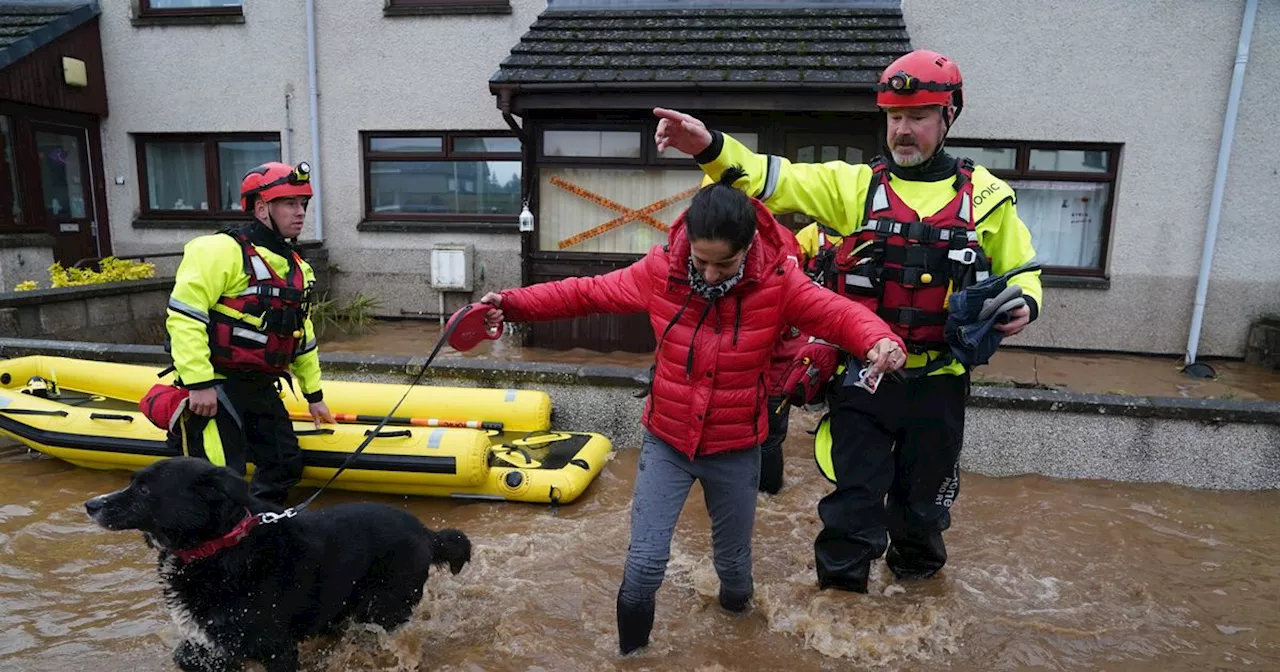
1153 76
375 73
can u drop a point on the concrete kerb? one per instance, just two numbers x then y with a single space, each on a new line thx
1202 443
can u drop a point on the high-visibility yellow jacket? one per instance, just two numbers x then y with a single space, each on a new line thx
213 267
835 193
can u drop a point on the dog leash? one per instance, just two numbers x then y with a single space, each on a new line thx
268 517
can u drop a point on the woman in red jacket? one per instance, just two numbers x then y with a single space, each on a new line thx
720 294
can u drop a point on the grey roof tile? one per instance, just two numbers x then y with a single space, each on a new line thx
848 45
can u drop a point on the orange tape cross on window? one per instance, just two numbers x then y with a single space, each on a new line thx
628 214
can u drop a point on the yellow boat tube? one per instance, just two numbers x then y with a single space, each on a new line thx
517 410
78 411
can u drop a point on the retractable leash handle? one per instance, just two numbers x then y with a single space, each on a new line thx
469 322
467 328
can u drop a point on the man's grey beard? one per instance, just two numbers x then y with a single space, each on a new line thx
917 158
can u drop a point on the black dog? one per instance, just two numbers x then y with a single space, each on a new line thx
243 589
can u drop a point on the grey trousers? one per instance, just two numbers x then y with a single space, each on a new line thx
664 476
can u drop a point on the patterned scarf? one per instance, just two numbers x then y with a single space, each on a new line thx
711 292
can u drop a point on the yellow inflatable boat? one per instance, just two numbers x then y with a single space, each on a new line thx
86 413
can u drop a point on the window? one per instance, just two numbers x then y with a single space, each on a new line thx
592 144
199 175
748 139
180 8
427 7
10 197
63 175
466 177
817 146
995 159
606 189
1065 194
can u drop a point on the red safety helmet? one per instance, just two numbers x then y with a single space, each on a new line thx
922 78
274 180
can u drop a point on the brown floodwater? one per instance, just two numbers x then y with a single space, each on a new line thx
416 337
1044 574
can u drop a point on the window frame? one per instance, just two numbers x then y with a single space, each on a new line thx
640 128
212 172
649 155
447 153
656 159
146 11
1022 171
11 178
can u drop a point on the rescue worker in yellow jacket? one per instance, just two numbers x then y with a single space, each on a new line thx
239 323
910 228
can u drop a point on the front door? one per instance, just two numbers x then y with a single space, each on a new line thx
824 147
68 198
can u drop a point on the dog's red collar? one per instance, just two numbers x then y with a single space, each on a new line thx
211 547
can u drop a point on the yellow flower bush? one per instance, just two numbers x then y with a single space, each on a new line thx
113 270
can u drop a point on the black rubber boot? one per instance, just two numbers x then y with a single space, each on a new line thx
770 469
635 621
849 585
917 561
733 601
843 560
852 577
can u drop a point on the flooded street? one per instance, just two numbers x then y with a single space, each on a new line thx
1044 573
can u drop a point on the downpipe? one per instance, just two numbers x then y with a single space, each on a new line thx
313 92
1191 367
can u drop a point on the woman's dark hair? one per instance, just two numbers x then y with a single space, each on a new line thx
721 212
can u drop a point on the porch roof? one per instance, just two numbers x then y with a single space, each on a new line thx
621 46
26 27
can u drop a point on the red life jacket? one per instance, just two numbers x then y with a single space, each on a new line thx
903 266
820 262
280 305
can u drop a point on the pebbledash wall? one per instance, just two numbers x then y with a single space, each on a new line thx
375 73
1066 71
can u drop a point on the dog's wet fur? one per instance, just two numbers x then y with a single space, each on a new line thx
286 581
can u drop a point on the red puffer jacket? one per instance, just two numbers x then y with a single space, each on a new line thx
709 387
784 354
789 344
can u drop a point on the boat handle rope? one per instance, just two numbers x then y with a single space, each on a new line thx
389 435
110 416
33 411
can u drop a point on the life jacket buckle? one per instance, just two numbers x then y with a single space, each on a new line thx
887 227
919 232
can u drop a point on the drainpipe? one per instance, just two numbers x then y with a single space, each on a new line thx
314 93
1219 185
504 104
288 128
528 161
